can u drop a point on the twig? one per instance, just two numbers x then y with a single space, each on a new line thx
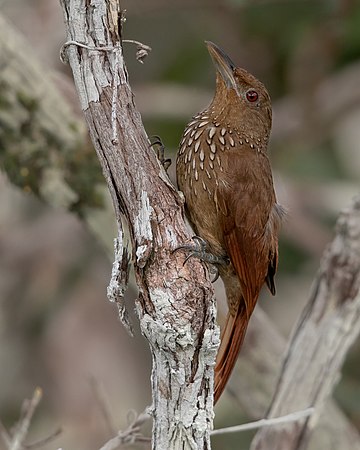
5 435
45 440
142 50
22 427
101 400
292 417
131 434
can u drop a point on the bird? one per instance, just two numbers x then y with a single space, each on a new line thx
224 173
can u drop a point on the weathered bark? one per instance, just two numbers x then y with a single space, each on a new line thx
328 326
176 304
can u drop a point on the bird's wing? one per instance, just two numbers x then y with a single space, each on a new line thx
245 204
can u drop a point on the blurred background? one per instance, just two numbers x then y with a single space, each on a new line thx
57 329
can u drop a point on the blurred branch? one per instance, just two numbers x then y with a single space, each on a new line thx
22 427
328 326
43 143
15 439
176 305
254 380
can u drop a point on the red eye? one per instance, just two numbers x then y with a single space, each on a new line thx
252 96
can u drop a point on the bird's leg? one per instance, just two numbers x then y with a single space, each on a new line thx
200 249
160 152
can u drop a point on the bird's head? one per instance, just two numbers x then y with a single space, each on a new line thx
238 93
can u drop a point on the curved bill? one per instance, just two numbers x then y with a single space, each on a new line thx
223 64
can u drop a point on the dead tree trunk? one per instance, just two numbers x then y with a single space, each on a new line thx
176 303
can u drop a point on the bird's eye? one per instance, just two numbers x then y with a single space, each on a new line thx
252 96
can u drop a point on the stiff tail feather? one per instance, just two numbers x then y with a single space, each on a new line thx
231 341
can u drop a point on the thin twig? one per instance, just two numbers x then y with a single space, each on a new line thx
101 400
292 417
22 427
45 440
131 434
142 50
5 435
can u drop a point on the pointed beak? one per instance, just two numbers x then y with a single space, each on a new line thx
223 64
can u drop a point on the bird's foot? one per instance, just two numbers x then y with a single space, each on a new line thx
200 249
159 148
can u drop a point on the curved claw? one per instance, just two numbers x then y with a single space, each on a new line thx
200 250
160 152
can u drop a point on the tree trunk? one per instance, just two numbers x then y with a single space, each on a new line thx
176 304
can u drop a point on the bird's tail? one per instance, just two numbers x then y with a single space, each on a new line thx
231 341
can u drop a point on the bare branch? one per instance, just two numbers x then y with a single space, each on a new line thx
101 400
288 418
328 326
131 434
22 428
44 441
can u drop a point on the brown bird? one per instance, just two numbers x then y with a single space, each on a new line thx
224 171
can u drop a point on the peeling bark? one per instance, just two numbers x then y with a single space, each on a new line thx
176 304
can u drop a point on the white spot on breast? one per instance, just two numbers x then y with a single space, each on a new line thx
192 123
232 142
241 142
213 148
252 145
212 131
204 185
222 140
208 174
201 124
198 133
190 141
197 145
196 175
211 164
189 154
212 156
187 131
223 131
247 140
182 149
194 163
218 160
201 165
202 155
193 132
